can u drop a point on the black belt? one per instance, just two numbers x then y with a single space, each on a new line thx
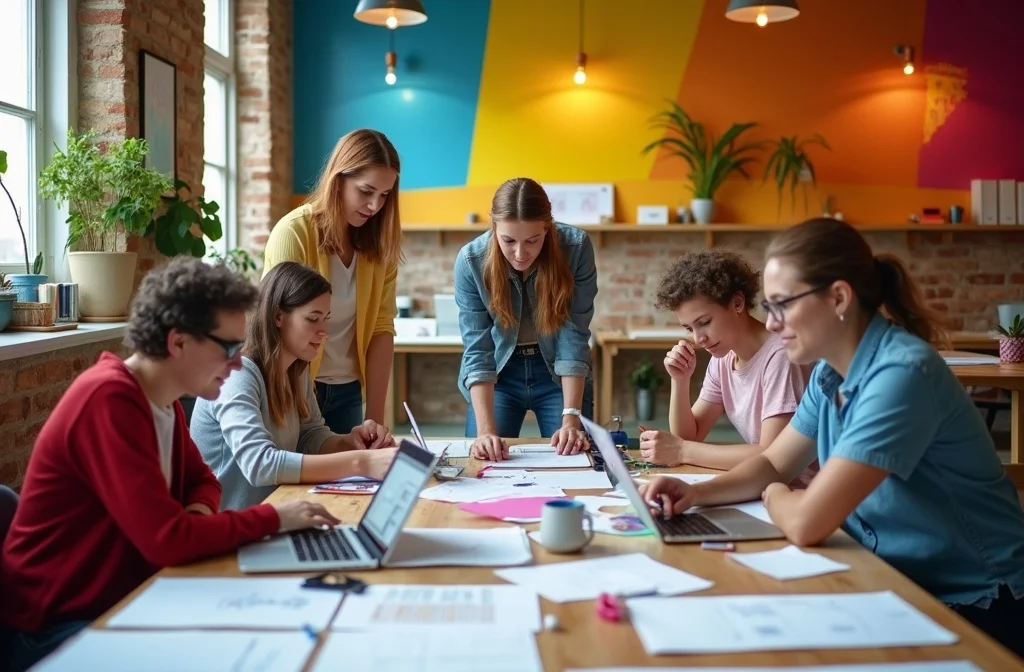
527 350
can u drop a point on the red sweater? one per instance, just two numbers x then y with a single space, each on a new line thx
96 518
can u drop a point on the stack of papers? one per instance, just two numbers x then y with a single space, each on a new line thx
482 489
969 360
789 563
540 460
933 666
353 485
454 547
631 574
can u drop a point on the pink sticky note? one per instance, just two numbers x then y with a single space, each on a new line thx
518 508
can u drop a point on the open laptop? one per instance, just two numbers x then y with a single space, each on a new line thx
720 524
364 546
444 470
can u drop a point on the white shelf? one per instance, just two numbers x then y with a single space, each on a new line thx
17 344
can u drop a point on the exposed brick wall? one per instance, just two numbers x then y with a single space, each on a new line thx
29 389
263 42
962 274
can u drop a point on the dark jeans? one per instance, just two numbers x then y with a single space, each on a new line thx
22 650
341 405
525 384
1003 620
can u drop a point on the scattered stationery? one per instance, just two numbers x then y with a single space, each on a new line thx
481 489
446 546
970 360
622 523
524 448
440 606
511 509
453 448
208 650
630 574
430 650
353 485
274 603
738 623
788 563
930 666
545 460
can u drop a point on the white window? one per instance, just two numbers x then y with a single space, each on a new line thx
20 132
219 118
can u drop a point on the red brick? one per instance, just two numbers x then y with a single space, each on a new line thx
15 410
5 383
986 279
44 402
109 17
42 374
950 252
1016 278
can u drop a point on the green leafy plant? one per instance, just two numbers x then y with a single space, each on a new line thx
38 265
1016 329
645 377
109 194
238 260
787 163
710 161
186 219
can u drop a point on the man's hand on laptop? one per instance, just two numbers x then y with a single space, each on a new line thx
375 463
371 435
489 447
300 514
668 496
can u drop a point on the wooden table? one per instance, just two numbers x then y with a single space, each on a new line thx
585 641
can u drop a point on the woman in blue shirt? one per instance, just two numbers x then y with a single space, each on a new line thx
525 291
908 467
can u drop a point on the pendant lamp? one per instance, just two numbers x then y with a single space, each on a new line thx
391 13
762 12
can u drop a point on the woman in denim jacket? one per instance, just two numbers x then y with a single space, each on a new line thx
525 291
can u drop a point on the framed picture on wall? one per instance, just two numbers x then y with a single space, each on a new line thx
158 111
585 203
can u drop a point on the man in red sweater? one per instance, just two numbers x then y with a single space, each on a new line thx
115 488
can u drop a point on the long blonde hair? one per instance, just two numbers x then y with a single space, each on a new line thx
287 286
524 200
380 239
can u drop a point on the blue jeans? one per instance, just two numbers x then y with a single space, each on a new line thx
23 650
525 384
341 405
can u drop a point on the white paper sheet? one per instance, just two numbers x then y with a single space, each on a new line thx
789 563
541 461
970 360
210 651
524 448
736 623
464 490
274 603
491 649
632 573
931 666
455 447
572 480
455 547
438 607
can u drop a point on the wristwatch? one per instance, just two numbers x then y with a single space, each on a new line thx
572 411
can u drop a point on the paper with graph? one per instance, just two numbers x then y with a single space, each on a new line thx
273 603
440 606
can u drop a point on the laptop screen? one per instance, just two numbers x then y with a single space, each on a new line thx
397 494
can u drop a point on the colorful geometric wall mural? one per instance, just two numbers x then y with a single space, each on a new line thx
485 93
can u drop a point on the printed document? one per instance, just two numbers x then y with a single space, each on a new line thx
789 563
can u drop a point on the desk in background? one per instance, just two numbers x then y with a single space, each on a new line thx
398 390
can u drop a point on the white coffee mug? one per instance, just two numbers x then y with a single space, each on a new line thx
561 526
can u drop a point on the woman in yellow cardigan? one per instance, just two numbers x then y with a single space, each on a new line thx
348 230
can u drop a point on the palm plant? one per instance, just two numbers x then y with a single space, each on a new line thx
787 163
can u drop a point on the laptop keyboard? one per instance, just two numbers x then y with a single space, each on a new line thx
688 525
317 546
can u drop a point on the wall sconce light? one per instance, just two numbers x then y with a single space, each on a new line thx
762 12
581 59
391 13
906 52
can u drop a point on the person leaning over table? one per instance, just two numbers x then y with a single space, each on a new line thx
349 230
525 291
265 428
908 467
115 489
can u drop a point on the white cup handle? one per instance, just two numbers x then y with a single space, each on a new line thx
590 527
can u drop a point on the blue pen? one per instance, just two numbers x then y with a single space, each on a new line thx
522 485
308 629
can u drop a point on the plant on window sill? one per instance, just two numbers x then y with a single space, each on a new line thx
36 268
184 223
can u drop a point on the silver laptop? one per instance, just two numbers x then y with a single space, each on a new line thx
365 546
724 524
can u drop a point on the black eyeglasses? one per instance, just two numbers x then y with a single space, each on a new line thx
777 309
231 348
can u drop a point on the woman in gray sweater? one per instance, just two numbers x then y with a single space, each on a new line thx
265 428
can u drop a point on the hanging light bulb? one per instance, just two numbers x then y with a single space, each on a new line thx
906 52
762 18
391 22
390 59
908 69
580 77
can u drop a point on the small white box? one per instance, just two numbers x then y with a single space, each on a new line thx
652 214
1007 201
984 202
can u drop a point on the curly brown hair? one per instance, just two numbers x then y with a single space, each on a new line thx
715 275
186 294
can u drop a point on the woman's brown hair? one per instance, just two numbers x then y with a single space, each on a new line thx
287 286
524 200
825 250
380 238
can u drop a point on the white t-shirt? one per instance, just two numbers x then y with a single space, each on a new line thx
163 418
339 362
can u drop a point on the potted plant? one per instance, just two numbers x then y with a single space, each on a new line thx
238 260
1011 345
789 164
24 285
184 223
645 382
7 298
110 195
711 161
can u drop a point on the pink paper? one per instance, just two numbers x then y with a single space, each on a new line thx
518 508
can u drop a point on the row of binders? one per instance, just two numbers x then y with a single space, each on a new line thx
997 202
63 296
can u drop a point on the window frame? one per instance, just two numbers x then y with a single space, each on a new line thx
222 67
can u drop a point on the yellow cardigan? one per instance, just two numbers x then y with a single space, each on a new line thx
295 238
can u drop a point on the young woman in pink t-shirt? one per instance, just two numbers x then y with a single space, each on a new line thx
749 377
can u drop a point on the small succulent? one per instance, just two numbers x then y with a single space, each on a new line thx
5 283
1016 329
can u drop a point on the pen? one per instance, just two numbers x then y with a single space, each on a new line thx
308 629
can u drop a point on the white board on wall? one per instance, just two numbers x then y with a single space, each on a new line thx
581 203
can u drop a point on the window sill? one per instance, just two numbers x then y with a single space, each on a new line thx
16 344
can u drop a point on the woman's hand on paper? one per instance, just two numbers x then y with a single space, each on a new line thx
681 361
668 496
489 447
658 447
370 435
569 439
300 514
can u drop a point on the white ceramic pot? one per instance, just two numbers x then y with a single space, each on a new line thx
703 210
105 282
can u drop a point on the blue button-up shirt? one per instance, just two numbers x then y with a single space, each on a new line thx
947 516
487 346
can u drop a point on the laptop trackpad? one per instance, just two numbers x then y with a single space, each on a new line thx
737 522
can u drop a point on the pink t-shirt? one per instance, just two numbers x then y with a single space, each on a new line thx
768 385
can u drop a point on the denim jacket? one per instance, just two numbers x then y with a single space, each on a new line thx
488 347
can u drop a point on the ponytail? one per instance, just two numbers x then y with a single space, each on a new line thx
903 303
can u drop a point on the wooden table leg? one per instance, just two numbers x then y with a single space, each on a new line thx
1016 466
605 407
401 385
